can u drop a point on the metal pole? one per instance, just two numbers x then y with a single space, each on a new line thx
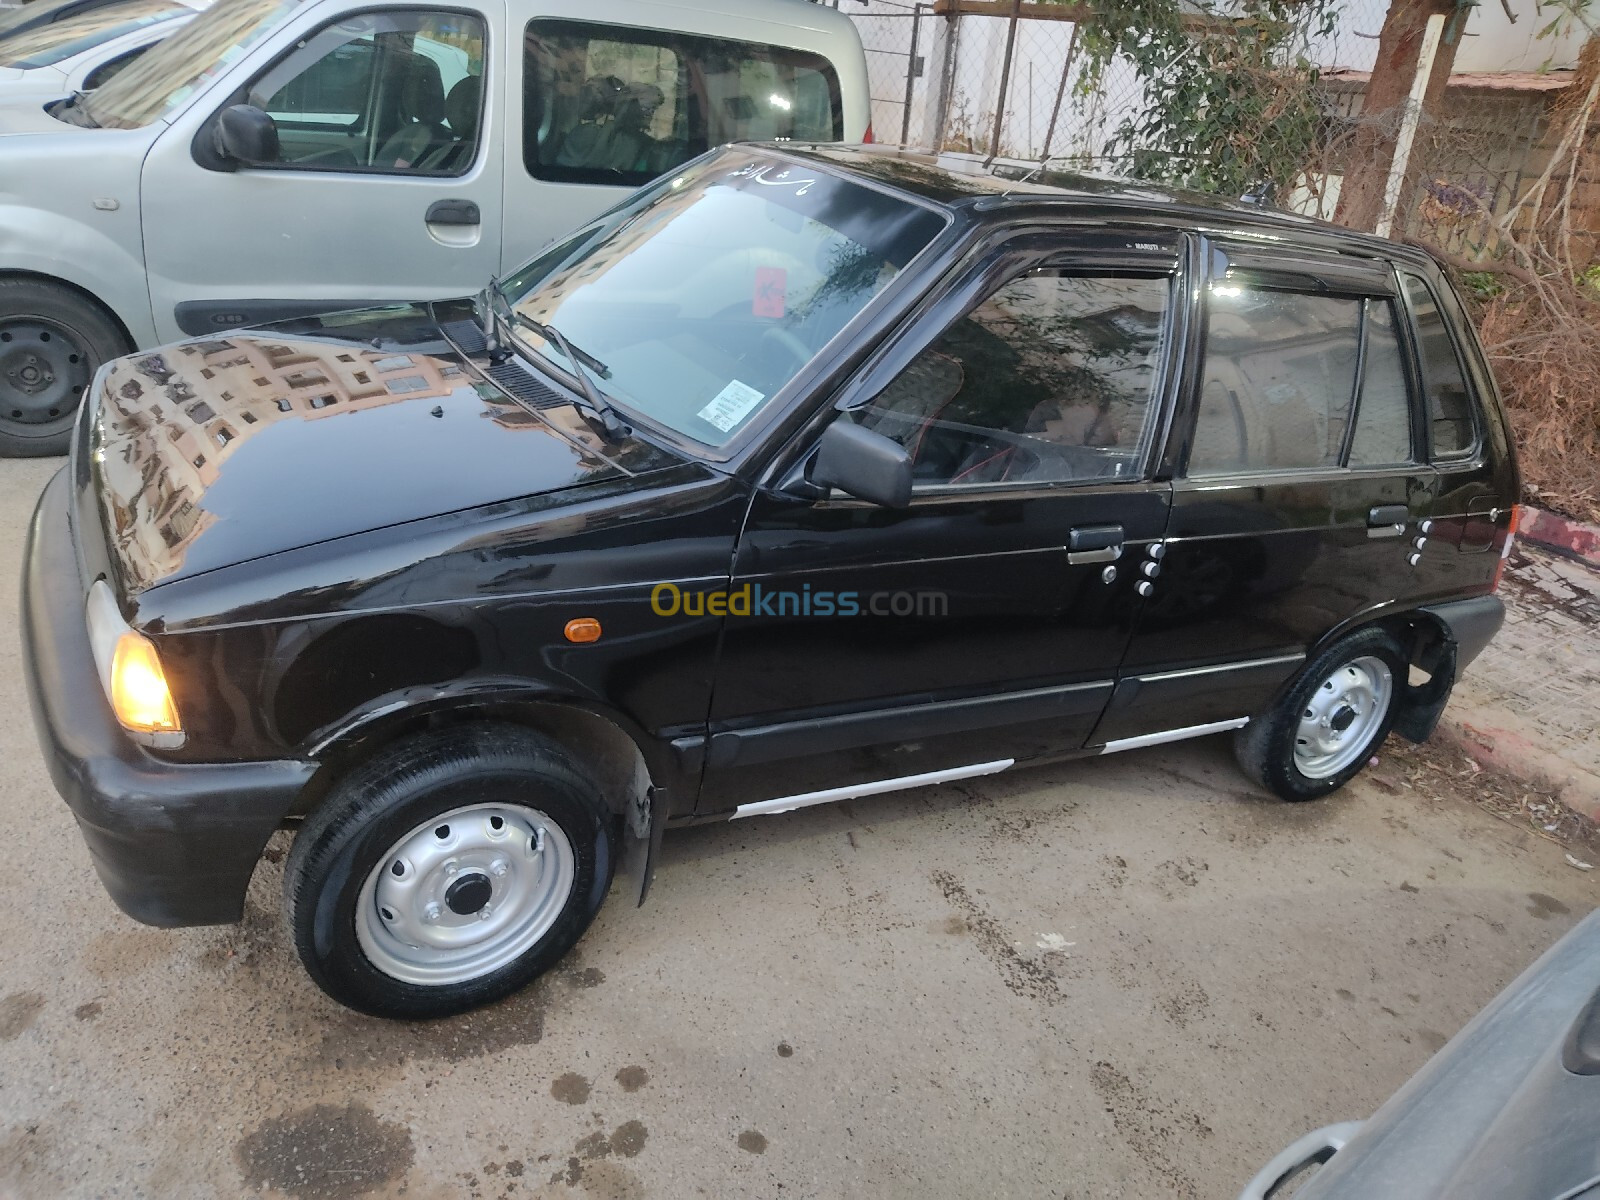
1061 93
1408 125
911 72
1005 78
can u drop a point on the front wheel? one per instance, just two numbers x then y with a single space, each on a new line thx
449 871
52 341
1320 734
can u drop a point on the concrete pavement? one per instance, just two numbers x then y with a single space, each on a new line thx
1127 978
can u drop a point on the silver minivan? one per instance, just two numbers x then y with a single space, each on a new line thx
283 157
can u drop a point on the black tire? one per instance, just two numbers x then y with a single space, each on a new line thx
1265 748
402 787
52 341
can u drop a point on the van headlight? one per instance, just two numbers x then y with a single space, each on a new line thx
130 672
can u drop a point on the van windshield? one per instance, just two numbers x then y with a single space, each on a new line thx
45 45
174 70
695 304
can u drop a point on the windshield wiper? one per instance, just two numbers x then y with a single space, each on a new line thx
596 405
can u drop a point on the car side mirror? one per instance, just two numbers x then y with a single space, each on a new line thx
247 135
863 464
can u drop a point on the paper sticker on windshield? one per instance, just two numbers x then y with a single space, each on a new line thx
732 405
772 286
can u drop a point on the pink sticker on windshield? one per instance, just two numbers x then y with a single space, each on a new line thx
772 286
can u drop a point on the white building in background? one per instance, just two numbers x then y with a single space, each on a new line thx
1491 45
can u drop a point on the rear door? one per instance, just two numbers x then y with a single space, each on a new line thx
983 624
1299 488
386 187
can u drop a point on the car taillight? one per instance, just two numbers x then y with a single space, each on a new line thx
1505 551
866 138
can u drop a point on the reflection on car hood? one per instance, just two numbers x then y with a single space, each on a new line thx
217 451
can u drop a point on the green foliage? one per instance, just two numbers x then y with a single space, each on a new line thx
1230 95
1482 285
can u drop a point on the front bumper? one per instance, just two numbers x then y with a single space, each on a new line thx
174 843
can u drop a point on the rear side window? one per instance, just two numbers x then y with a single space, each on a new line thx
620 106
1450 421
1279 380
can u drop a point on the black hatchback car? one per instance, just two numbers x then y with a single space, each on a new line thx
804 474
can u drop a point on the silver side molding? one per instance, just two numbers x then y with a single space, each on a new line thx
1173 735
783 804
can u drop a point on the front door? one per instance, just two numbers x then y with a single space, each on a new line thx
1299 489
383 190
983 624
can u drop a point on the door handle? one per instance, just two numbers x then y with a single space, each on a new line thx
453 212
1387 520
1094 544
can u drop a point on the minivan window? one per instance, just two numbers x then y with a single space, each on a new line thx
1449 402
1050 379
615 105
1279 380
174 70
380 91
695 308
1383 415
46 45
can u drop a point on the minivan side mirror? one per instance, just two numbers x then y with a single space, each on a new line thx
863 464
246 134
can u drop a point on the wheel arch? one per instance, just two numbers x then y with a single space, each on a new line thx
1429 646
109 311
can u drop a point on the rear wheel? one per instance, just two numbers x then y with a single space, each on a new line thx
449 871
1324 729
51 343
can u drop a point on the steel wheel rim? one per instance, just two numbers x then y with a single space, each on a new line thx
44 367
1340 719
464 894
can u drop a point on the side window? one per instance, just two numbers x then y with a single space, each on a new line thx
383 92
1383 416
1449 401
1049 379
614 105
1279 380
107 71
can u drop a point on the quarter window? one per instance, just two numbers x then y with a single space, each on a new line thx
1049 379
621 106
1449 401
1383 417
391 92
1279 380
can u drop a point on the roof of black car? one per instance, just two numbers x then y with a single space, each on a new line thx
971 180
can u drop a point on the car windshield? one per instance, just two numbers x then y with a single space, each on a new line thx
693 305
174 70
45 45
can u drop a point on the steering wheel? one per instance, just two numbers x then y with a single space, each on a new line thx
784 338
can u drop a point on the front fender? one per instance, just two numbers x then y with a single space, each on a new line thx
94 260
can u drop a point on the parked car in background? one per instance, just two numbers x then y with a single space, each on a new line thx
18 18
1509 1109
279 157
81 52
807 473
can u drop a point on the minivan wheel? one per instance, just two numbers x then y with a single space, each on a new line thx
450 870
52 341
1324 729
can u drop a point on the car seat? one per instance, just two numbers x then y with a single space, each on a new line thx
461 108
421 116
631 143
588 143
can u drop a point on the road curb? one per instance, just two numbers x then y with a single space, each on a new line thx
1568 538
1490 744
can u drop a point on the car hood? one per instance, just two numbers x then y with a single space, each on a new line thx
220 450
28 117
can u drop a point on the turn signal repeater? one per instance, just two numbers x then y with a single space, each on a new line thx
583 629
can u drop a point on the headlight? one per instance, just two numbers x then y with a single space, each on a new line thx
130 672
